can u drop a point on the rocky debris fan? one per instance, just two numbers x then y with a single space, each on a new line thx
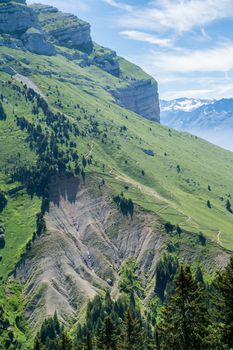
87 240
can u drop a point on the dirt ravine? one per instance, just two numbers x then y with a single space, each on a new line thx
81 254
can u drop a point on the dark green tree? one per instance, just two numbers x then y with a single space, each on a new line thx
132 336
199 276
169 227
228 206
202 238
185 320
165 273
88 344
64 342
107 338
3 201
224 285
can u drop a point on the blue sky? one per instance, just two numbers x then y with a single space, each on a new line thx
187 45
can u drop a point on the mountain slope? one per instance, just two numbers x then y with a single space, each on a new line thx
69 144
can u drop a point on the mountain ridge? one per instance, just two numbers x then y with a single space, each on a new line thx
210 119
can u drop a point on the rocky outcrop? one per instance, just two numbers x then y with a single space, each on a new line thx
74 37
35 41
16 18
13 43
20 29
109 63
65 29
141 97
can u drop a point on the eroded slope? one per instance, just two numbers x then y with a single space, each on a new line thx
87 241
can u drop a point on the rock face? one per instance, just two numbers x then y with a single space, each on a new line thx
65 29
15 18
141 97
74 37
35 41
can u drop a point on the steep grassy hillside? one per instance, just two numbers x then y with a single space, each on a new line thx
62 120
176 180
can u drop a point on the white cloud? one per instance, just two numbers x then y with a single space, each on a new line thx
217 59
178 15
119 5
146 37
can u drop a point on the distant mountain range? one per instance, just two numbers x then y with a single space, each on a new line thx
210 119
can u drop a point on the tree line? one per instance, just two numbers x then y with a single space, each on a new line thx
196 316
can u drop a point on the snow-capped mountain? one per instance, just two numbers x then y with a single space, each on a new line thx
210 119
183 104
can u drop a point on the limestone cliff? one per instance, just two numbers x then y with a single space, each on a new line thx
16 18
64 29
141 97
38 28
20 29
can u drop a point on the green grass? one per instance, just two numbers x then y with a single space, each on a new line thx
20 222
177 197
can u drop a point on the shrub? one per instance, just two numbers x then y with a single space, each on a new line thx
202 238
2 112
3 201
2 241
169 227
228 206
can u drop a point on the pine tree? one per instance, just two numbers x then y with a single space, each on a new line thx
38 345
185 320
88 345
56 323
132 337
225 287
64 343
199 276
165 273
107 338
